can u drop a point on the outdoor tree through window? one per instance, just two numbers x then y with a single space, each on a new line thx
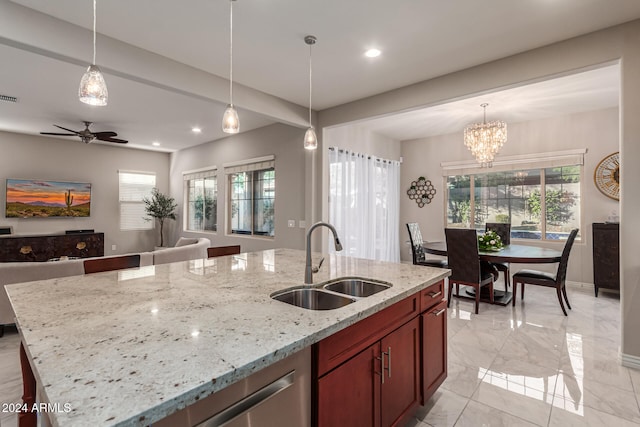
538 203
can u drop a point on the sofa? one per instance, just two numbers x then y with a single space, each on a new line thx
19 272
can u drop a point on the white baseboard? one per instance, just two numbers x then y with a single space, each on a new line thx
630 361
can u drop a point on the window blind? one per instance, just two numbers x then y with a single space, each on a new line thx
261 163
200 173
132 188
521 162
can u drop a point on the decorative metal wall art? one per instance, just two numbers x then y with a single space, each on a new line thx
421 191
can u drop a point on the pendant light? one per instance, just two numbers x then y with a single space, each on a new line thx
310 138
93 88
230 120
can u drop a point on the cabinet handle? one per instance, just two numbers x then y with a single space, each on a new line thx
434 294
389 361
439 312
381 359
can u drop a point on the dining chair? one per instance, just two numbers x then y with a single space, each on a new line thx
542 278
465 265
417 251
98 265
504 231
223 250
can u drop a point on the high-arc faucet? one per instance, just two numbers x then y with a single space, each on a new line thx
308 270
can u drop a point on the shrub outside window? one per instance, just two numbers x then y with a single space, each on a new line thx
541 204
252 190
201 202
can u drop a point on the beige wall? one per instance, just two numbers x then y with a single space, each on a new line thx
597 131
37 157
286 143
618 43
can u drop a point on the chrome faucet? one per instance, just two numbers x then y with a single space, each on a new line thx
309 270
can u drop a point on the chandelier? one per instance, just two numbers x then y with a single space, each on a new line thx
484 140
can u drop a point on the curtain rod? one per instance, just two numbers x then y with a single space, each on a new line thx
369 157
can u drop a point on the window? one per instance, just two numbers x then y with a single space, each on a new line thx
252 192
201 200
540 203
133 187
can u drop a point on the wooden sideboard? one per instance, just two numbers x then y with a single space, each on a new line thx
46 247
606 256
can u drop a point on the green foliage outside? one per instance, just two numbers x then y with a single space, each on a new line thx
161 208
558 205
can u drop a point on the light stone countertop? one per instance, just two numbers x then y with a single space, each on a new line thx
130 347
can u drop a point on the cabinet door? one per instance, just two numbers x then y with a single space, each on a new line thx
434 349
401 389
350 394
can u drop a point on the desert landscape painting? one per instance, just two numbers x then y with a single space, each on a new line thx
45 199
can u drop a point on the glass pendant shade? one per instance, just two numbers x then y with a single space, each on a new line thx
93 88
310 139
230 121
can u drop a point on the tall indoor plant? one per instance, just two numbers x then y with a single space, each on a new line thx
160 207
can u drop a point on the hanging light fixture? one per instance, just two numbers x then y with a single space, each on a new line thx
230 120
93 88
310 138
484 140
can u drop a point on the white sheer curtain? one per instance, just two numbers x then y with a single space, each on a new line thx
364 204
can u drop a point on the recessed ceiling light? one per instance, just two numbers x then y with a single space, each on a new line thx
372 53
155 143
196 129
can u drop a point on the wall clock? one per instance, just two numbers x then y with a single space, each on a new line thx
607 176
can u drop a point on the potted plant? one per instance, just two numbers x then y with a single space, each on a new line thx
160 207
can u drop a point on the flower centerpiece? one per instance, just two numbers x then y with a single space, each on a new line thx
490 241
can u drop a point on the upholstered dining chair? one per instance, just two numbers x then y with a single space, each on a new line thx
217 251
98 265
465 265
542 278
417 251
504 231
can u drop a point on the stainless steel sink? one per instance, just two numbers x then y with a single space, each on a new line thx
356 287
312 298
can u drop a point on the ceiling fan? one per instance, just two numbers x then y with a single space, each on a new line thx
87 136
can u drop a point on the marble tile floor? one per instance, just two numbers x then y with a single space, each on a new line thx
523 366
531 366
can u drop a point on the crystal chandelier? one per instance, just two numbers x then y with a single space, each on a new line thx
310 138
484 140
230 120
93 88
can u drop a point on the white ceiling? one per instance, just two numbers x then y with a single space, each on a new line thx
419 40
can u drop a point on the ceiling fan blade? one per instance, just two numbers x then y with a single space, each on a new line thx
104 134
70 130
61 134
108 139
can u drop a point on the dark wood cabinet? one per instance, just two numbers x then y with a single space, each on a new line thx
377 387
377 371
606 256
45 247
434 349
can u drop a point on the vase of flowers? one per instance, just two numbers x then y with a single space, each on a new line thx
490 241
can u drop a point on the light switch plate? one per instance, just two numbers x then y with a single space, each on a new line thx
302 223
291 223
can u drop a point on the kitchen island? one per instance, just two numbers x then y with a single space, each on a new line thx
132 347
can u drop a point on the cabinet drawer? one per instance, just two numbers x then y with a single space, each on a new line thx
339 347
431 296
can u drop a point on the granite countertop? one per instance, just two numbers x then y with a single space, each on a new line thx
133 346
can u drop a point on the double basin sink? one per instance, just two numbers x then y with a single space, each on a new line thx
334 294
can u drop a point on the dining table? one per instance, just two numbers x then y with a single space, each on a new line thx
513 253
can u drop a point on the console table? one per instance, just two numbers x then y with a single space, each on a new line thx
45 247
